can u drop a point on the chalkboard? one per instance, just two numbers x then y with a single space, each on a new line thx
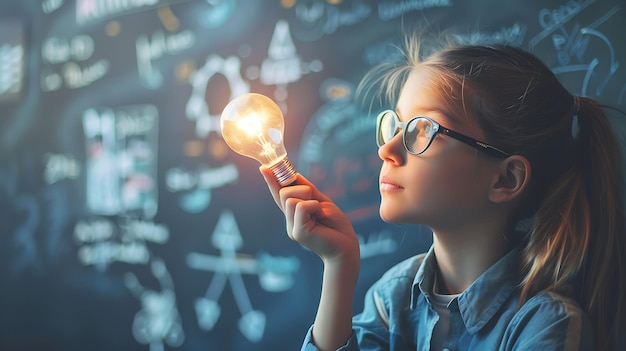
128 224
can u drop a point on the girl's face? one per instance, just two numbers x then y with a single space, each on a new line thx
447 185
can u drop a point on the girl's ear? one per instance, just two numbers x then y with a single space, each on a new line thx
511 180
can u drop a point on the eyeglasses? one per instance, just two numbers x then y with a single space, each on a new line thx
418 133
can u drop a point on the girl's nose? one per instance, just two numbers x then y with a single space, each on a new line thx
393 151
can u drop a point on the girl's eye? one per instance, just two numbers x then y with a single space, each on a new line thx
424 127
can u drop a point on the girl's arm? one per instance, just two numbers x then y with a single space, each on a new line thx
333 322
316 222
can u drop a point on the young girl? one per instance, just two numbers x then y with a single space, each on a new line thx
521 184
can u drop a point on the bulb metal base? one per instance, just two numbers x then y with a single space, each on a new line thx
284 172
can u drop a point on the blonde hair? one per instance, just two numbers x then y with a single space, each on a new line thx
575 199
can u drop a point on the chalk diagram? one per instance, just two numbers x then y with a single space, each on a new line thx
275 274
314 19
573 48
158 321
11 70
283 64
197 108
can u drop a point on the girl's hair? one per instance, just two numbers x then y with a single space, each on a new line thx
574 204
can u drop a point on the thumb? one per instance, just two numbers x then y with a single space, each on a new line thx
315 192
272 183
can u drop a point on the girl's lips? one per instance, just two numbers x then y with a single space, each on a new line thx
387 185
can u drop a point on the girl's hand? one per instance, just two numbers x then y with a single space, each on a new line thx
314 220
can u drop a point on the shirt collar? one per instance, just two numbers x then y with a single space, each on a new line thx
481 300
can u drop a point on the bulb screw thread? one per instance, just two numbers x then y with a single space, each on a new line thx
284 171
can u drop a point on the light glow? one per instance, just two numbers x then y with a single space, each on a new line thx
252 125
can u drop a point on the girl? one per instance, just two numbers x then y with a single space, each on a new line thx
521 184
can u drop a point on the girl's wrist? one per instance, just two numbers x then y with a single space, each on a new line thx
343 270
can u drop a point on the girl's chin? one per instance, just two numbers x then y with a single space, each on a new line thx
391 216
398 215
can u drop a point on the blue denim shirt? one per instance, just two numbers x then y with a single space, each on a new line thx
398 314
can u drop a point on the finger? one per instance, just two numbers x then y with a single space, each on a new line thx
290 197
290 210
315 193
301 192
275 187
272 184
301 214
305 219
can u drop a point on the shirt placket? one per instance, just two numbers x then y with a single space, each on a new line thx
457 328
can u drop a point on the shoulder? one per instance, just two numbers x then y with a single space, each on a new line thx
549 306
395 284
392 292
404 270
550 321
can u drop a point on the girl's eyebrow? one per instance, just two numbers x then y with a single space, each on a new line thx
427 113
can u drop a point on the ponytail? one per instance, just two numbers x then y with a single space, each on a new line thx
578 231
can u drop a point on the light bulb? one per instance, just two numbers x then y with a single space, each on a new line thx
252 125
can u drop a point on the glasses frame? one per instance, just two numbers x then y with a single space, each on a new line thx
438 128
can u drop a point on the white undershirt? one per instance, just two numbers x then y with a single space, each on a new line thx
440 304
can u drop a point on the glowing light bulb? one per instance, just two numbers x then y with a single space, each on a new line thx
252 125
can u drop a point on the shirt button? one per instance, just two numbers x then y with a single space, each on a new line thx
445 349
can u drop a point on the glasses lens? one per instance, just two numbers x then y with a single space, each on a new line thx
387 127
418 134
